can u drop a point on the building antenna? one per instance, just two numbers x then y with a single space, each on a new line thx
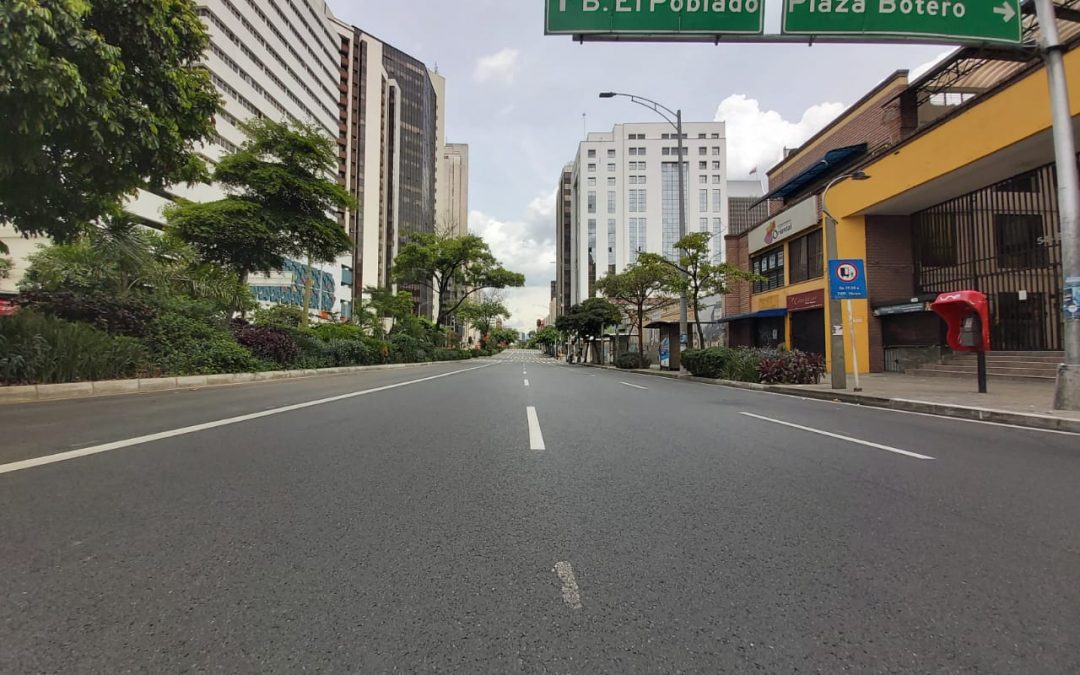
585 125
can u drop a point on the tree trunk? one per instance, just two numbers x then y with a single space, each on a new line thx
309 283
641 335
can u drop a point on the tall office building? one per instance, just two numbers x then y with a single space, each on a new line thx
564 241
625 196
452 195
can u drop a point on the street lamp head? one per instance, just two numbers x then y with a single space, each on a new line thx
607 94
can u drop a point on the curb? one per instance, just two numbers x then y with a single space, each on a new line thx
63 392
1027 420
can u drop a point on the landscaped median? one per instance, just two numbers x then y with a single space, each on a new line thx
59 392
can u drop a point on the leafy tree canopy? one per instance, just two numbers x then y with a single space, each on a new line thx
483 313
443 263
641 289
98 98
279 198
589 319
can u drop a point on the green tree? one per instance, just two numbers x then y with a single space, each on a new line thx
483 313
703 277
547 337
589 319
444 263
501 337
384 303
5 267
278 203
641 289
98 98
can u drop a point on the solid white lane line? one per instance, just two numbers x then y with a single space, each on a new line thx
571 594
841 437
536 437
183 431
526 383
633 385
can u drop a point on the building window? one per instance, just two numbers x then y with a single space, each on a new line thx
716 135
701 136
641 152
937 240
769 265
633 153
1026 183
703 166
637 201
717 201
716 166
637 238
671 201
611 154
704 180
703 200
805 258
611 168
1018 240
592 181
592 239
641 166
611 201
665 151
716 151
716 180
592 154
611 181
717 240
703 151
703 224
592 201
592 168
611 240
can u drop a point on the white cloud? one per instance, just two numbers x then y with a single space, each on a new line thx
525 246
757 138
501 66
925 68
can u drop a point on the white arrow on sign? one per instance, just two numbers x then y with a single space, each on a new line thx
1006 11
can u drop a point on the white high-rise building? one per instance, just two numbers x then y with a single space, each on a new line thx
452 199
625 196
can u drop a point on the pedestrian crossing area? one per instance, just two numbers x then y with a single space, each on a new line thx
527 356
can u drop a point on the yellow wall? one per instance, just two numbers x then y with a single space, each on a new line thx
989 126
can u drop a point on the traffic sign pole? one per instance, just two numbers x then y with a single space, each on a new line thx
854 345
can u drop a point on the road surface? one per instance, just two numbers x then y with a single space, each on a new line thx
524 515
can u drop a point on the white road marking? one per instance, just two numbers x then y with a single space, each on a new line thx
571 595
183 431
536 437
633 385
526 383
849 439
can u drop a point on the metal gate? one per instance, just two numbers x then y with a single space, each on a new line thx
1005 241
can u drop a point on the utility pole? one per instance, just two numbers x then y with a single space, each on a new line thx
838 372
1068 380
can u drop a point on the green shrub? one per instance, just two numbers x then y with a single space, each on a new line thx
119 316
451 355
337 331
38 349
631 361
770 366
792 368
182 345
408 349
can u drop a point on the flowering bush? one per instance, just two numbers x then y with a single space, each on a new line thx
267 343
769 366
792 368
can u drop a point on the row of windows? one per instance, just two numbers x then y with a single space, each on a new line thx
636 166
1019 241
805 261
332 57
704 166
637 201
319 22
704 180
703 201
270 50
252 82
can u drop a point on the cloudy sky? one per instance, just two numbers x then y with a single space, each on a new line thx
518 98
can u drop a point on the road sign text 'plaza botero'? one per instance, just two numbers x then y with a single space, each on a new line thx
657 18
996 21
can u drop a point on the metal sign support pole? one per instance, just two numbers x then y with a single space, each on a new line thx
854 345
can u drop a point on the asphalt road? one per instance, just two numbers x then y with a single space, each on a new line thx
451 518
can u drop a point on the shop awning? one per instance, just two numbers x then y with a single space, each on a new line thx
763 314
833 162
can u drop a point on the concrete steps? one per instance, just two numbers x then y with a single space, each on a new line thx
1017 366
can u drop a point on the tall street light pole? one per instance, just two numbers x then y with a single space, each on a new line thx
674 118
836 318
1068 381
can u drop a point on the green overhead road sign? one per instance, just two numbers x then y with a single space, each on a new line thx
960 21
644 18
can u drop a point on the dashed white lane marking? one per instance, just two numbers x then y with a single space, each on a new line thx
536 438
183 431
526 383
841 437
633 385
571 594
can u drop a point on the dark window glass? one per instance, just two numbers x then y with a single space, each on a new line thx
771 266
937 240
805 258
1017 237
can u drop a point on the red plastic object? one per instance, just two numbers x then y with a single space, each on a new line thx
954 307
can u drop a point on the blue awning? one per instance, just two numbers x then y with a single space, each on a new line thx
833 162
763 314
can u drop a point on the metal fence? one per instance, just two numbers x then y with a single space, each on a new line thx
1005 241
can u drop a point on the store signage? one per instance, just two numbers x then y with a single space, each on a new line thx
795 220
975 21
802 302
655 18
908 308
